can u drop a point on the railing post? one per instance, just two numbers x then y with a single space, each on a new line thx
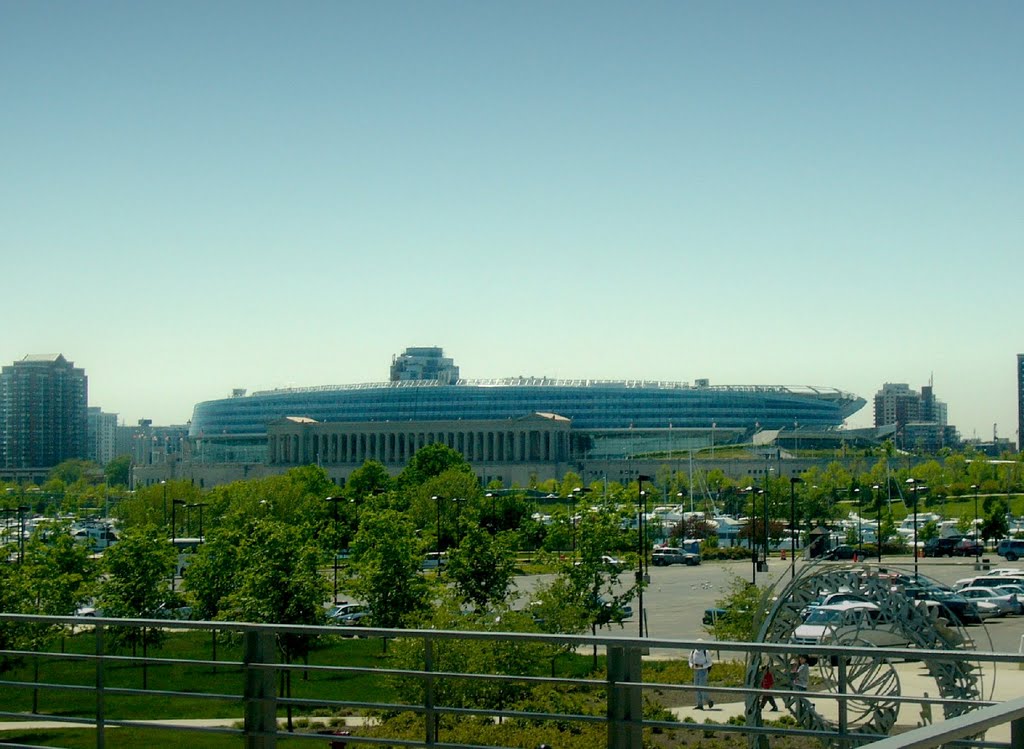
428 692
625 703
101 739
1017 734
260 691
844 720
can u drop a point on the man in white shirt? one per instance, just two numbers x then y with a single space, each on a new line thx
700 662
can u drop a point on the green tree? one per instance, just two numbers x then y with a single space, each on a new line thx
368 479
138 582
212 576
995 525
385 563
430 461
118 471
745 605
928 531
482 568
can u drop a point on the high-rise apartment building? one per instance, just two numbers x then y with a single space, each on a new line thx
102 436
921 419
897 404
1020 401
43 421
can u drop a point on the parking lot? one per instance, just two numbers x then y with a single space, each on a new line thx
677 596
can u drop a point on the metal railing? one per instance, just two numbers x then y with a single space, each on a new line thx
263 699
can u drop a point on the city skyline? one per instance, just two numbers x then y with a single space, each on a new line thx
201 198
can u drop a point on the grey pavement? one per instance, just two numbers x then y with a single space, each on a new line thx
1001 682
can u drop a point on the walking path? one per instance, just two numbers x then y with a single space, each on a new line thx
1003 683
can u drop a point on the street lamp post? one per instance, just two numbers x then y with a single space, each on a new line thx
334 511
977 549
913 485
437 501
174 530
860 527
878 528
164 485
640 579
767 494
575 495
752 526
200 505
174 517
494 514
793 481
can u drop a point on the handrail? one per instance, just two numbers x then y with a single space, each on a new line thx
624 685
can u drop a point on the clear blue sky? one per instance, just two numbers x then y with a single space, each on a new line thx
197 196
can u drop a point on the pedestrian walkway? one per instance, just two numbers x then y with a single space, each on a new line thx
1002 683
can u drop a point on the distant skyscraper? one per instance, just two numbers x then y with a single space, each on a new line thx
1020 401
43 402
897 404
102 436
424 363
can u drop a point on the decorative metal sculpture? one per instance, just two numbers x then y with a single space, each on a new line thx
900 621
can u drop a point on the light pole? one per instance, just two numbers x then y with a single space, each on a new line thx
767 494
494 514
640 579
458 527
164 485
860 529
575 495
913 485
437 501
793 481
334 511
174 530
878 529
200 505
752 526
174 517
977 549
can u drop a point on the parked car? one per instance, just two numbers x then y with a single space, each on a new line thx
667 556
1005 600
348 615
712 616
968 547
961 611
842 551
825 623
830 599
941 547
1011 549
433 560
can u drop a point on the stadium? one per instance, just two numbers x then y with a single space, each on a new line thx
534 422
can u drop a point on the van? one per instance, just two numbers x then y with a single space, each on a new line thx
435 559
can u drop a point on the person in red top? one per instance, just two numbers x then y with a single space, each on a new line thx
767 683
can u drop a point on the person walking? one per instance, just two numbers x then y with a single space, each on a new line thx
768 683
700 662
802 674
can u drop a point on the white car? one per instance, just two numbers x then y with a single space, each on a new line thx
829 623
1005 601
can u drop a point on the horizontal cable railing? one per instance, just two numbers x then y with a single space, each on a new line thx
263 707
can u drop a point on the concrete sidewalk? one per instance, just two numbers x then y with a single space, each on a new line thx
999 684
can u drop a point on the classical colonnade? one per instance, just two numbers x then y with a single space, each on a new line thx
511 441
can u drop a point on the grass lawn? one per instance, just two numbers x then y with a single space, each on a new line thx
183 677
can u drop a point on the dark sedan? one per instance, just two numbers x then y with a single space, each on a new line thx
841 552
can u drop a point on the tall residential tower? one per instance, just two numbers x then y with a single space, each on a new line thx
43 402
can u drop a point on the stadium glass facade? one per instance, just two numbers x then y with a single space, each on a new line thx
609 419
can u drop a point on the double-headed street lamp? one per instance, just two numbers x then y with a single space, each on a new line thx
878 528
752 527
860 527
575 495
437 500
334 511
174 517
977 548
641 580
913 485
164 485
793 481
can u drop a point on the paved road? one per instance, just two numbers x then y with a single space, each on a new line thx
677 596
